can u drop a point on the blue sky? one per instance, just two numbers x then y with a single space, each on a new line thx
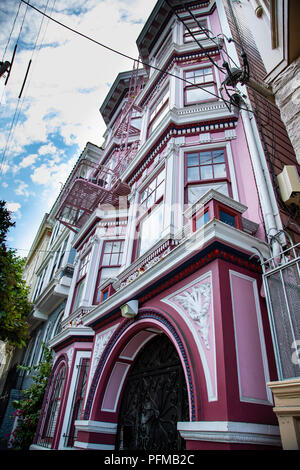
43 133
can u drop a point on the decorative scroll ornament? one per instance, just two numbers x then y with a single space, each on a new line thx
101 342
196 302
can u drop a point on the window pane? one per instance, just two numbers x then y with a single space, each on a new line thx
193 174
192 159
205 158
150 229
227 218
161 176
221 187
108 247
79 293
114 259
106 260
220 170
199 94
218 156
160 191
196 191
202 220
206 172
108 273
116 247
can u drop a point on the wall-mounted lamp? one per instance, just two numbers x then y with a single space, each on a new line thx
130 309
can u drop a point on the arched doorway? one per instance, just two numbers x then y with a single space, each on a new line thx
154 400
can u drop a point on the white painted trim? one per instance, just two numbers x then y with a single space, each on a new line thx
215 229
138 349
36 447
212 396
91 446
261 339
230 432
101 427
114 409
70 331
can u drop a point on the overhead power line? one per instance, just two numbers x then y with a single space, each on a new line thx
122 54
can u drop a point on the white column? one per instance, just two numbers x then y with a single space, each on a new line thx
171 201
144 127
72 287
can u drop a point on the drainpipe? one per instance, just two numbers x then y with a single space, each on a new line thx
265 188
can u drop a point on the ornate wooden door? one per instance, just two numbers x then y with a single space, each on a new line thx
154 399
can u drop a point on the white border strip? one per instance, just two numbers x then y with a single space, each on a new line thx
230 432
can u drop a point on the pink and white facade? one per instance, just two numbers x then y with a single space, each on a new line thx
165 341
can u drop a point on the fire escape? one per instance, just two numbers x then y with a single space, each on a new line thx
93 183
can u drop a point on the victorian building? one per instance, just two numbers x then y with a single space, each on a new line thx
167 338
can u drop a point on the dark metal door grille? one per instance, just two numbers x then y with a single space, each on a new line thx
154 400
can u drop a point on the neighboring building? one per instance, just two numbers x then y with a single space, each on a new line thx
274 25
268 31
11 379
166 338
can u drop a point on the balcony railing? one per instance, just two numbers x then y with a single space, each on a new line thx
90 185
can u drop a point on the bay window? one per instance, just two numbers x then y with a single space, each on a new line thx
159 109
205 170
196 30
81 280
150 222
204 77
110 262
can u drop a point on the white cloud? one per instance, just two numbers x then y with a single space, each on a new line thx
66 85
47 149
14 207
28 161
22 189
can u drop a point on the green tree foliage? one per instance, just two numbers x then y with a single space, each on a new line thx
29 408
14 304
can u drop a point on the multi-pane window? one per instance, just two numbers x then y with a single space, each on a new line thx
110 263
53 408
194 30
81 279
136 119
205 170
150 221
159 109
39 284
153 191
162 49
77 404
200 85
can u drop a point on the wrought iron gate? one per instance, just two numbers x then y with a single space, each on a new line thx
154 399
281 277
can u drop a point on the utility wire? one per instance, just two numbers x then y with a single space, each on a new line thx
19 107
129 57
12 29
